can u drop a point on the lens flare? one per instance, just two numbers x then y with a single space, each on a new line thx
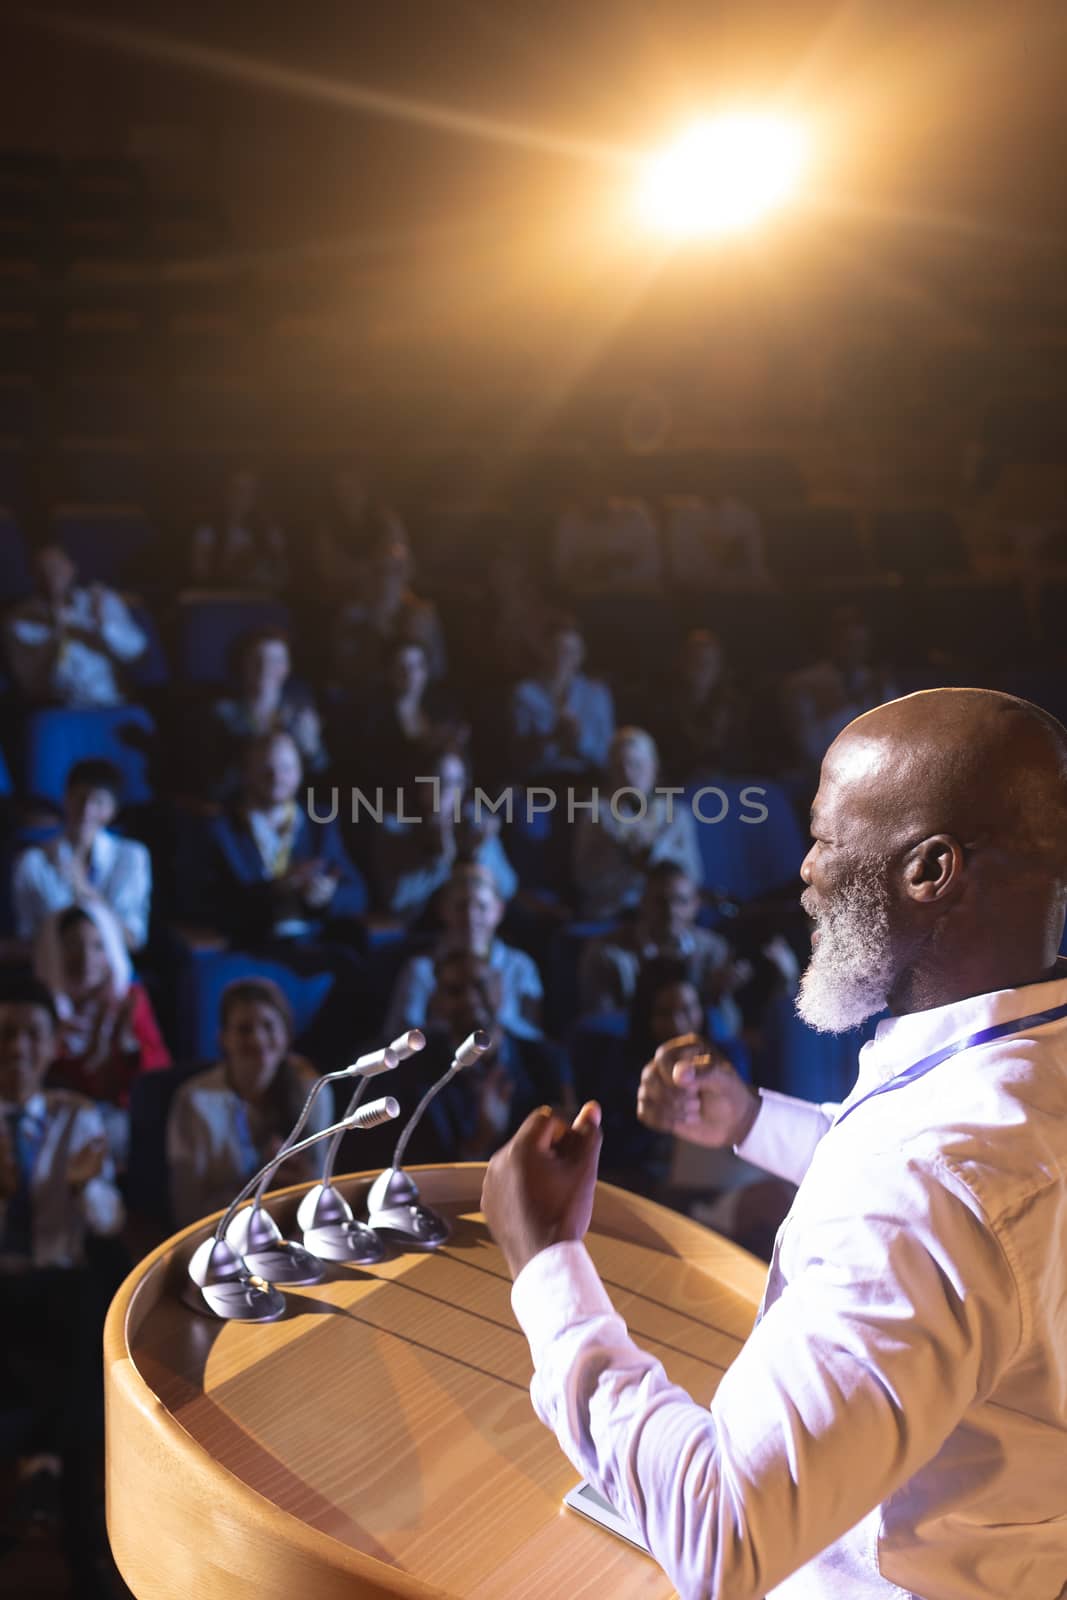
723 175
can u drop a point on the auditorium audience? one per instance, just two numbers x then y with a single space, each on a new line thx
417 849
266 700
241 545
108 1033
485 1103
70 644
632 829
227 1121
471 910
267 871
85 863
561 721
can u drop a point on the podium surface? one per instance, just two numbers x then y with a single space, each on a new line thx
378 1439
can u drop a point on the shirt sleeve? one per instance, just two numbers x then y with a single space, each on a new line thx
900 1310
785 1133
28 892
131 891
101 1203
122 635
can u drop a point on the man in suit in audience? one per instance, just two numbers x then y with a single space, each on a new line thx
896 1423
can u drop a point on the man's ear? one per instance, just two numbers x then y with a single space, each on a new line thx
933 868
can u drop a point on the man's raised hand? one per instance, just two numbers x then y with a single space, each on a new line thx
696 1094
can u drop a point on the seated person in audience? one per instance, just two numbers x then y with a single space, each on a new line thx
269 871
59 1207
665 928
416 857
226 1122
665 1004
408 720
560 720
822 699
267 701
85 864
471 910
701 717
484 1103
604 543
714 543
108 1034
68 644
635 829
378 607
240 546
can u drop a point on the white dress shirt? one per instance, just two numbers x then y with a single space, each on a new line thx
215 1141
896 1424
76 674
61 1216
120 870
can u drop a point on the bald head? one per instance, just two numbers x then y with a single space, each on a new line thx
987 768
939 867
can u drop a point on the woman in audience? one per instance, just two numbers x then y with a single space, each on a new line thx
86 864
378 606
409 720
227 1121
471 910
70 644
635 829
560 720
415 858
108 1034
242 545
267 701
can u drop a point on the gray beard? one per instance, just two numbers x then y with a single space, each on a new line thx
851 969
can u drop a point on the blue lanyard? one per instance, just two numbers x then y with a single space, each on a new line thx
1001 1030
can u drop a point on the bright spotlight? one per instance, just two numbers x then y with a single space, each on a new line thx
723 175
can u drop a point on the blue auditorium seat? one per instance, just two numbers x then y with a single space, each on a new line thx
564 958
747 860
54 740
103 540
205 975
151 670
209 626
538 846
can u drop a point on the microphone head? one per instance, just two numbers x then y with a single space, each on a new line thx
473 1046
374 1113
369 1066
408 1044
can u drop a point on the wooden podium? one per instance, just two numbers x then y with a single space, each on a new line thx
379 1438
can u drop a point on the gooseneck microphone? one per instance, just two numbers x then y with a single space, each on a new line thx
220 1279
393 1202
254 1233
325 1218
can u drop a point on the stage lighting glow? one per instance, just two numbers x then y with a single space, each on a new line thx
723 175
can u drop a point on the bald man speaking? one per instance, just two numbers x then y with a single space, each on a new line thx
896 1424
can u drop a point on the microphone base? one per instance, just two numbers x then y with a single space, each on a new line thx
396 1211
243 1299
353 1242
412 1227
286 1262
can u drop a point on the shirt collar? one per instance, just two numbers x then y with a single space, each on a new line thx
899 1042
